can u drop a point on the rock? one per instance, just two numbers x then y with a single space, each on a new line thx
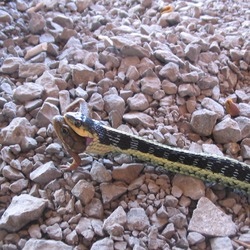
168 231
244 109
11 65
48 82
207 82
137 219
150 83
22 210
84 228
11 173
19 185
46 114
82 74
211 149
31 69
245 146
227 131
135 50
188 90
170 71
191 77
192 52
203 121
190 186
221 243
111 191
17 132
127 172
117 217
138 102
54 232
169 19
169 87
5 17
138 118
96 101
37 23
166 56
209 220
82 4
195 238
99 173
214 106
64 21
114 102
84 191
179 220
28 92
104 244
94 209
132 73
45 173
40 244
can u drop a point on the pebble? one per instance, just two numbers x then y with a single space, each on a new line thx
203 121
20 212
137 219
127 172
45 173
227 131
209 220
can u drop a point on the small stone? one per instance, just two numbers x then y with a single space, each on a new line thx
54 232
11 65
137 219
104 244
99 173
227 131
166 56
31 69
207 82
169 87
195 238
22 210
203 121
169 19
28 92
244 109
188 90
138 102
46 114
132 73
190 186
191 77
134 50
150 83
138 118
192 52
84 191
127 172
221 243
211 149
170 71
19 185
114 102
94 209
111 191
96 101
37 23
45 173
82 74
214 106
209 220
5 17
168 231
11 173
46 244
117 217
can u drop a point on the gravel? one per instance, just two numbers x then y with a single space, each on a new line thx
164 75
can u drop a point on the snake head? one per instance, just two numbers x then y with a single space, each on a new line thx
81 124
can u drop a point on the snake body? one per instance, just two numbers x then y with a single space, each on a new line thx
103 139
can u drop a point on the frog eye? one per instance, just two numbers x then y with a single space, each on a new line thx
65 131
78 124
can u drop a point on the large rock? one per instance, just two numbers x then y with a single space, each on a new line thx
22 210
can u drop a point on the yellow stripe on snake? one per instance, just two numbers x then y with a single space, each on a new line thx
96 138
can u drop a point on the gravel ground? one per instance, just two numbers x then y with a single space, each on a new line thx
177 72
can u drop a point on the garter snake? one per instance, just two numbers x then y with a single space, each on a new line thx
101 139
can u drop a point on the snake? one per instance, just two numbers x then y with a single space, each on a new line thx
81 134
101 139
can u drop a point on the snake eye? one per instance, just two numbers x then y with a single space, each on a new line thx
78 124
65 131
